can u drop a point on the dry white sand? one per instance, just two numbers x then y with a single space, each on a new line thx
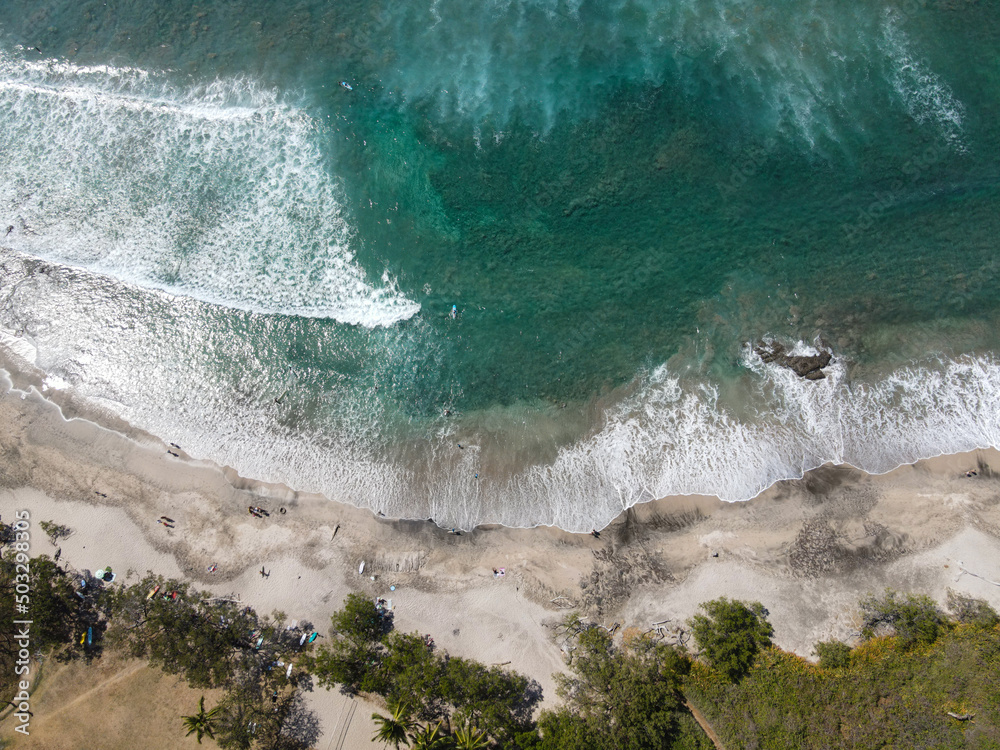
807 549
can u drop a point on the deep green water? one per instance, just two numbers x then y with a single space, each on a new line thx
245 256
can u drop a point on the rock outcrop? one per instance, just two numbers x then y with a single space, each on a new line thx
808 366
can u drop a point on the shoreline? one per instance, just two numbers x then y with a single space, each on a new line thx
19 374
808 548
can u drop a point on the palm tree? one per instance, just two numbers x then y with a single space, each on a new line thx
394 728
427 738
202 722
467 737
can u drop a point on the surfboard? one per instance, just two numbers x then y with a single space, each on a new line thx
152 592
90 636
347 86
361 568
288 672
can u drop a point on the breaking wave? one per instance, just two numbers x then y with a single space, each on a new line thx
218 192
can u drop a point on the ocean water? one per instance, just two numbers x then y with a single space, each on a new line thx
216 239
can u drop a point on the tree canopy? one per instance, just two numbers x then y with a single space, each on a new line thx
624 697
731 633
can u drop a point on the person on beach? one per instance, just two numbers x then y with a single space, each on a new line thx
9 229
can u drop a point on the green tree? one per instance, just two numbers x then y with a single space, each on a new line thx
359 621
913 618
244 717
498 701
412 672
562 728
624 697
395 727
833 654
207 641
354 655
731 633
202 722
56 610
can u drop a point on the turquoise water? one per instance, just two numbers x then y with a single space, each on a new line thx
218 241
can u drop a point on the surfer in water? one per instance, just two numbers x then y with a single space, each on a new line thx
454 311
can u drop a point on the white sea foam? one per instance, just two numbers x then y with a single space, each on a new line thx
674 441
217 191
926 97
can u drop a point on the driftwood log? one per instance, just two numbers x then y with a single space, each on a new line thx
961 717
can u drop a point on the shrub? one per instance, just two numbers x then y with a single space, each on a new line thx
913 618
970 611
732 634
833 654
55 531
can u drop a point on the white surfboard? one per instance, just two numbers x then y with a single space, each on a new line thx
361 568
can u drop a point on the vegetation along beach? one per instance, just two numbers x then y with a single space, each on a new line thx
535 373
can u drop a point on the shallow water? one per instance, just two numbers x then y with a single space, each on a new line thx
223 244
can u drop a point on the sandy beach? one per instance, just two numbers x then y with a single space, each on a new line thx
807 549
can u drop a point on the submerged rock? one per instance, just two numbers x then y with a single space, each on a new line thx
808 366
